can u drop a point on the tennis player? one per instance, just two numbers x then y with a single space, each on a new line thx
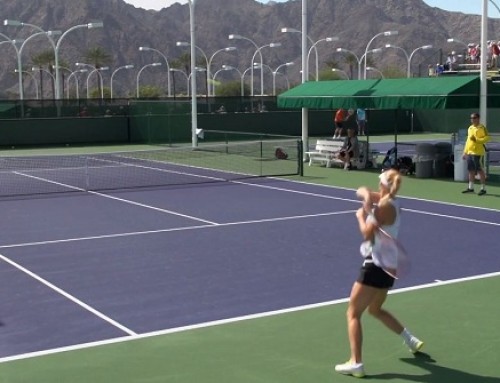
380 210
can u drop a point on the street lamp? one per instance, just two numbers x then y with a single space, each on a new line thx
358 60
186 44
58 46
275 72
386 33
239 37
98 70
328 40
453 40
224 68
271 45
411 56
94 69
172 70
227 49
192 78
19 68
242 86
370 68
40 32
305 71
73 74
129 66
336 70
261 67
139 74
33 78
145 49
402 50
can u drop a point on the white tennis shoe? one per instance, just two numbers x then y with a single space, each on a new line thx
414 344
349 368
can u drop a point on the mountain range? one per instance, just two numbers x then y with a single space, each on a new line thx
126 28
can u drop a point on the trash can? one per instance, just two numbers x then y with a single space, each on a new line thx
443 166
424 160
460 165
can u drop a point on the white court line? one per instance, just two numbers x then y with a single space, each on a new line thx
231 320
453 217
67 295
129 234
118 199
399 196
212 225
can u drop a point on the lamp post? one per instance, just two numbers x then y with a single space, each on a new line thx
275 72
94 69
186 44
483 89
33 78
19 68
145 49
172 70
73 74
40 69
49 34
271 45
404 52
98 70
336 70
224 68
328 40
242 85
261 67
58 46
313 46
192 77
453 40
129 66
355 56
359 59
239 37
423 47
140 71
372 69
194 106
227 49
386 33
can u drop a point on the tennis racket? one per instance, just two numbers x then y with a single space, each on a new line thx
388 254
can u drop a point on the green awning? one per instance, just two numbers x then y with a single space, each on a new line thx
444 92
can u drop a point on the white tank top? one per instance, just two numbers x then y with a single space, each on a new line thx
393 230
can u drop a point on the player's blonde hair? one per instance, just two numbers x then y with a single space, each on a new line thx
392 180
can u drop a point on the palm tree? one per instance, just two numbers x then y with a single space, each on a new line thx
99 58
44 60
351 61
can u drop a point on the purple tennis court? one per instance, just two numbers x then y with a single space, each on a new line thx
92 266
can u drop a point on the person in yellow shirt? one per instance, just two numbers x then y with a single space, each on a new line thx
474 150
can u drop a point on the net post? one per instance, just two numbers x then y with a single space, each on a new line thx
87 176
300 162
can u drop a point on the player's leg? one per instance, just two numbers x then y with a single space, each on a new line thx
390 321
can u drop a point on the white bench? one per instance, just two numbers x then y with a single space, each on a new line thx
326 151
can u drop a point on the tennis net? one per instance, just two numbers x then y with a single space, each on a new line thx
44 174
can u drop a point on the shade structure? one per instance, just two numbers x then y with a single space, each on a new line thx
444 92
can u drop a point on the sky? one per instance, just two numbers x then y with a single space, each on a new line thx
465 6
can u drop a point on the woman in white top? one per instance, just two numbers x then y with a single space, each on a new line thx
380 210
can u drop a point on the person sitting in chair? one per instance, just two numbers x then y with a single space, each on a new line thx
350 148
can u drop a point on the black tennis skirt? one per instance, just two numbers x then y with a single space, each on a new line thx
372 275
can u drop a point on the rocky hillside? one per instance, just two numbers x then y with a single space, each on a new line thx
126 28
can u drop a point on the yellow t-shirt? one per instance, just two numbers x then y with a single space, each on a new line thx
477 136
